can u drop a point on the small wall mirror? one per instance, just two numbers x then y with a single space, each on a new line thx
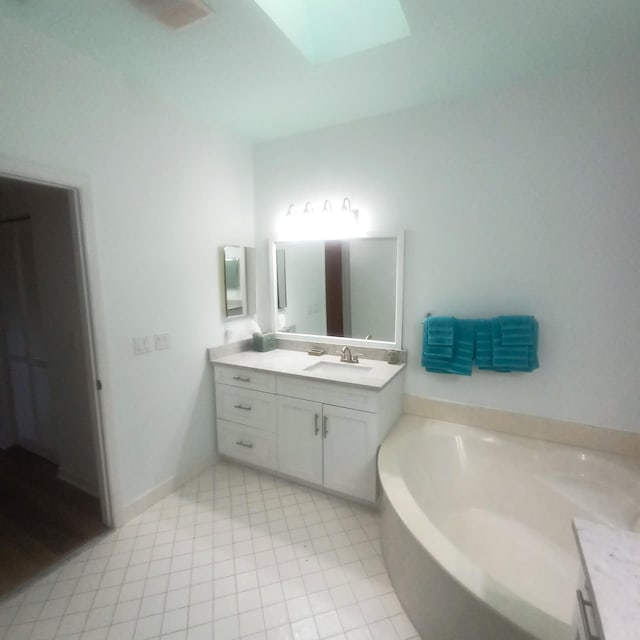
345 289
235 282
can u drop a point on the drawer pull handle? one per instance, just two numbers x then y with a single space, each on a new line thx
244 407
242 443
582 606
325 428
317 426
242 378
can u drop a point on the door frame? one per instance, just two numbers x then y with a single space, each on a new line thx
86 260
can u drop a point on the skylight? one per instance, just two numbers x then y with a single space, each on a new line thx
325 30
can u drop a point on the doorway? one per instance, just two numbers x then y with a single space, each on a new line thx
53 494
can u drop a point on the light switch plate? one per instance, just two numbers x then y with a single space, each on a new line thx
161 341
142 345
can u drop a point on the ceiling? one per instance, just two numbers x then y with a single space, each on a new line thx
238 71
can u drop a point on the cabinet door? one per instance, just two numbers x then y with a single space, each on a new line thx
349 452
300 438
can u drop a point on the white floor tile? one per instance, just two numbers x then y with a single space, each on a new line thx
233 555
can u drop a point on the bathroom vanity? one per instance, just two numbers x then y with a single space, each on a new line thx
609 602
310 418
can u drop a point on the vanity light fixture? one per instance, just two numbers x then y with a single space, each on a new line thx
346 207
315 221
326 208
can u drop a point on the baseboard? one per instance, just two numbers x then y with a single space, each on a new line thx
626 443
128 512
71 478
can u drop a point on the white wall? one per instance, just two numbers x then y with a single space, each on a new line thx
160 197
524 201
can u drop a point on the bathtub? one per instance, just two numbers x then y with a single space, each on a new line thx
476 527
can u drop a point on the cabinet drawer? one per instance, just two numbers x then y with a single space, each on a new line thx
336 394
252 408
245 378
247 444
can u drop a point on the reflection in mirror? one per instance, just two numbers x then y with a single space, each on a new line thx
339 288
235 287
281 271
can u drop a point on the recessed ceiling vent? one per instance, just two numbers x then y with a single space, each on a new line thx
176 14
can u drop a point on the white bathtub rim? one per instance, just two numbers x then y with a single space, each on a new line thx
469 575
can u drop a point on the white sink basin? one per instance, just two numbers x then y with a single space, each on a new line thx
338 369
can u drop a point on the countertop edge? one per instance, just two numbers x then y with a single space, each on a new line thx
228 360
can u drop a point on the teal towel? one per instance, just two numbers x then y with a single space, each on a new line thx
516 330
484 345
517 350
460 362
437 338
438 351
505 343
440 330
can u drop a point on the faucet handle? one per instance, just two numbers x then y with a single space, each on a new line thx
357 356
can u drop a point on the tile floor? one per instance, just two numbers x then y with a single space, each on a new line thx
234 554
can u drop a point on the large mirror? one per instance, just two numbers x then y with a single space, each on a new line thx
235 282
344 291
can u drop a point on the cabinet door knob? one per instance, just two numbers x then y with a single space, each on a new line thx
325 428
244 407
317 426
242 443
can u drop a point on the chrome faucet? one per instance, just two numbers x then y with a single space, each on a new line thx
347 355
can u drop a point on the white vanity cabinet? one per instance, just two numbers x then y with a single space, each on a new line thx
328 433
246 416
324 433
608 606
326 445
300 439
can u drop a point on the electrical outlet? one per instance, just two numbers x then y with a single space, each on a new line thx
161 341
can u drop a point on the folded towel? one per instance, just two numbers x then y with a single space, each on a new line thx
505 343
456 358
484 345
438 351
440 330
463 347
516 330
437 338
517 350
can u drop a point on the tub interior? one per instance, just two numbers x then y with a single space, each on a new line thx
545 573
506 503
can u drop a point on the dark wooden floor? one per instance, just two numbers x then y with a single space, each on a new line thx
42 518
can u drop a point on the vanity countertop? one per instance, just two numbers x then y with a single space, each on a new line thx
611 561
372 374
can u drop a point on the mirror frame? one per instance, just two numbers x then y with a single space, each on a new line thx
396 343
242 275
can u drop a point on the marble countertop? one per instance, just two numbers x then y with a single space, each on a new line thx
611 561
372 374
